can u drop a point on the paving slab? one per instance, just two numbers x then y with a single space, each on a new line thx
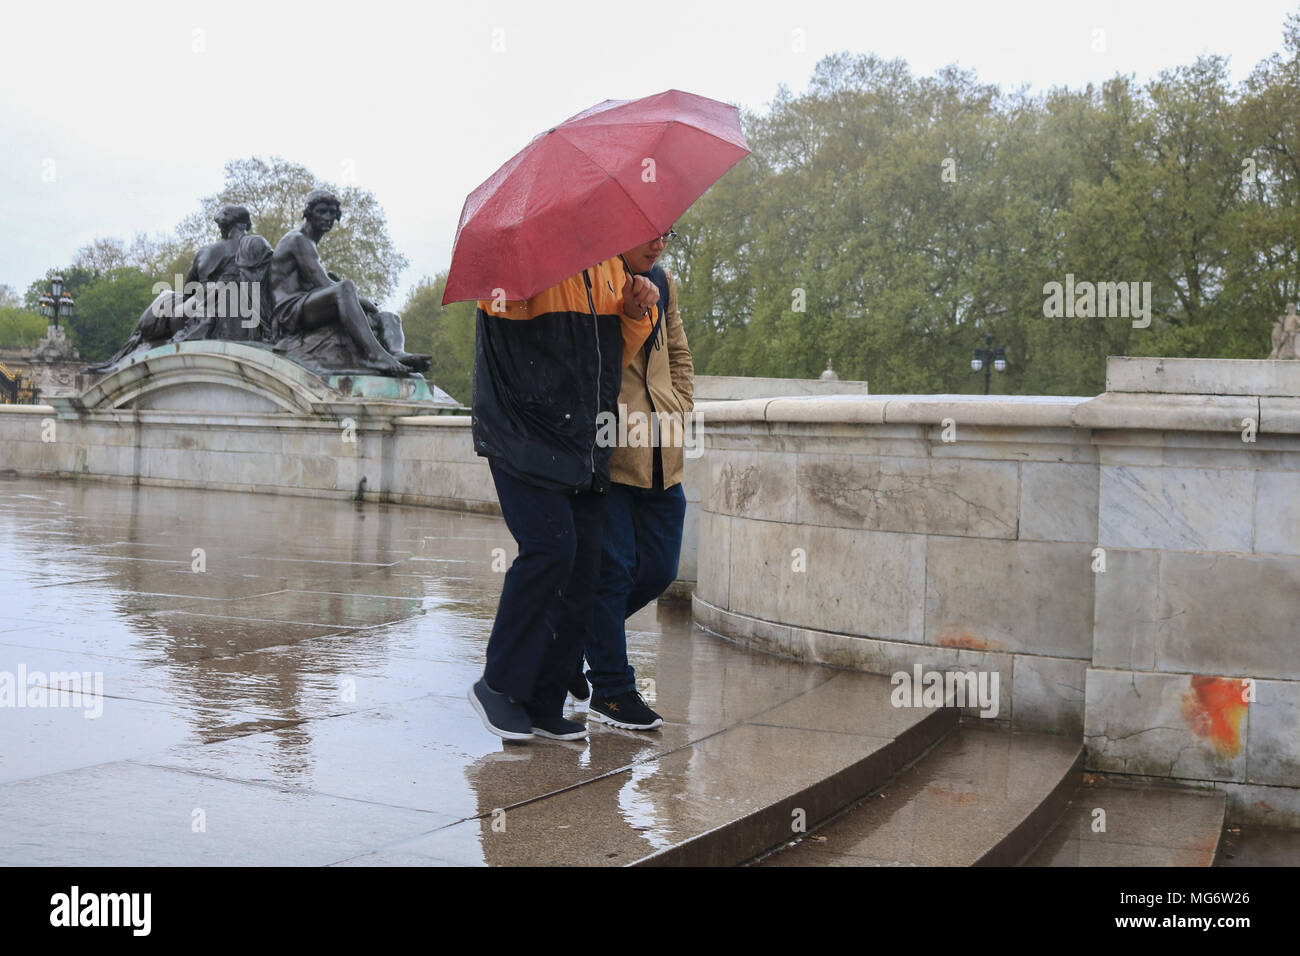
127 814
652 806
419 754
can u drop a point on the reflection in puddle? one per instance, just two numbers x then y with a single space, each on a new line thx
640 809
292 601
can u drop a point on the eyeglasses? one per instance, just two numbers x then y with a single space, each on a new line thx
668 237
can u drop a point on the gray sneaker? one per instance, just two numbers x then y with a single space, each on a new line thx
559 728
500 714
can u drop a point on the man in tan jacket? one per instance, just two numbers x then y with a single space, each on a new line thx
645 506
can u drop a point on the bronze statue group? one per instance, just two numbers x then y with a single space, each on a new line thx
239 289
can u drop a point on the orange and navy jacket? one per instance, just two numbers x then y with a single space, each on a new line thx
545 369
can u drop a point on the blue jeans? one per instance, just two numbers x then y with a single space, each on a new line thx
640 545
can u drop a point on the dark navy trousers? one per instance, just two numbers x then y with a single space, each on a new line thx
545 607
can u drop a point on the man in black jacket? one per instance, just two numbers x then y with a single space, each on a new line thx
545 369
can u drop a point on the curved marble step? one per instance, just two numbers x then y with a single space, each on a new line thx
981 797
799 764
313 702
1113 823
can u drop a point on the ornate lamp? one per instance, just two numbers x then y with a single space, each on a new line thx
58 304
989 359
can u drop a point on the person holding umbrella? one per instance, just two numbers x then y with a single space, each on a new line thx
546 369
553 335
641 541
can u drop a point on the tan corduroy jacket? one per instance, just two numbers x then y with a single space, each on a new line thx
668 382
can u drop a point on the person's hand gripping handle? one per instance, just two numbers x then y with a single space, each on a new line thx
639 296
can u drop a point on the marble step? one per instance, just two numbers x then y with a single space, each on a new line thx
982 796
875 742
1113 823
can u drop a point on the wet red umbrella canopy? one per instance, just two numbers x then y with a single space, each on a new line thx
600 183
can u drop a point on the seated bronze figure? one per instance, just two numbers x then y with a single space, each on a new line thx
224 294
319 319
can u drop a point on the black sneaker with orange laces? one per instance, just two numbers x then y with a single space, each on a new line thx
628 711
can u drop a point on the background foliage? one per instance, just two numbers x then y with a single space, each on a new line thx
1188 182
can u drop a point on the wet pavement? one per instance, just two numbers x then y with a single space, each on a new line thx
283 682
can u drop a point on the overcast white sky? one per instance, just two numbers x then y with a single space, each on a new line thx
139 104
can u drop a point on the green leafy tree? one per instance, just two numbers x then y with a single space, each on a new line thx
107 309
890 221
20 329
1266 262
445 332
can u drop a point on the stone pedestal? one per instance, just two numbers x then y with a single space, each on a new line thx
216 414
55 346
1195 670
220 378
56 367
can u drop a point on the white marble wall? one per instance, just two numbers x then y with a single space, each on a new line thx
1200 608
866 534
987 552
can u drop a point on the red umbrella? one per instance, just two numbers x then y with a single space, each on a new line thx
600 183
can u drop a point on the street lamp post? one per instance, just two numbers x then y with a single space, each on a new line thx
58 304
988 358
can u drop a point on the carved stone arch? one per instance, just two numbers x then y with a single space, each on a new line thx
207 376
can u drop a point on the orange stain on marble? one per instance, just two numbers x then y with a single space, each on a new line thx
969 641
1213 708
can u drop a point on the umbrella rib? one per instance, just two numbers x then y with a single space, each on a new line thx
635 204
608 175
